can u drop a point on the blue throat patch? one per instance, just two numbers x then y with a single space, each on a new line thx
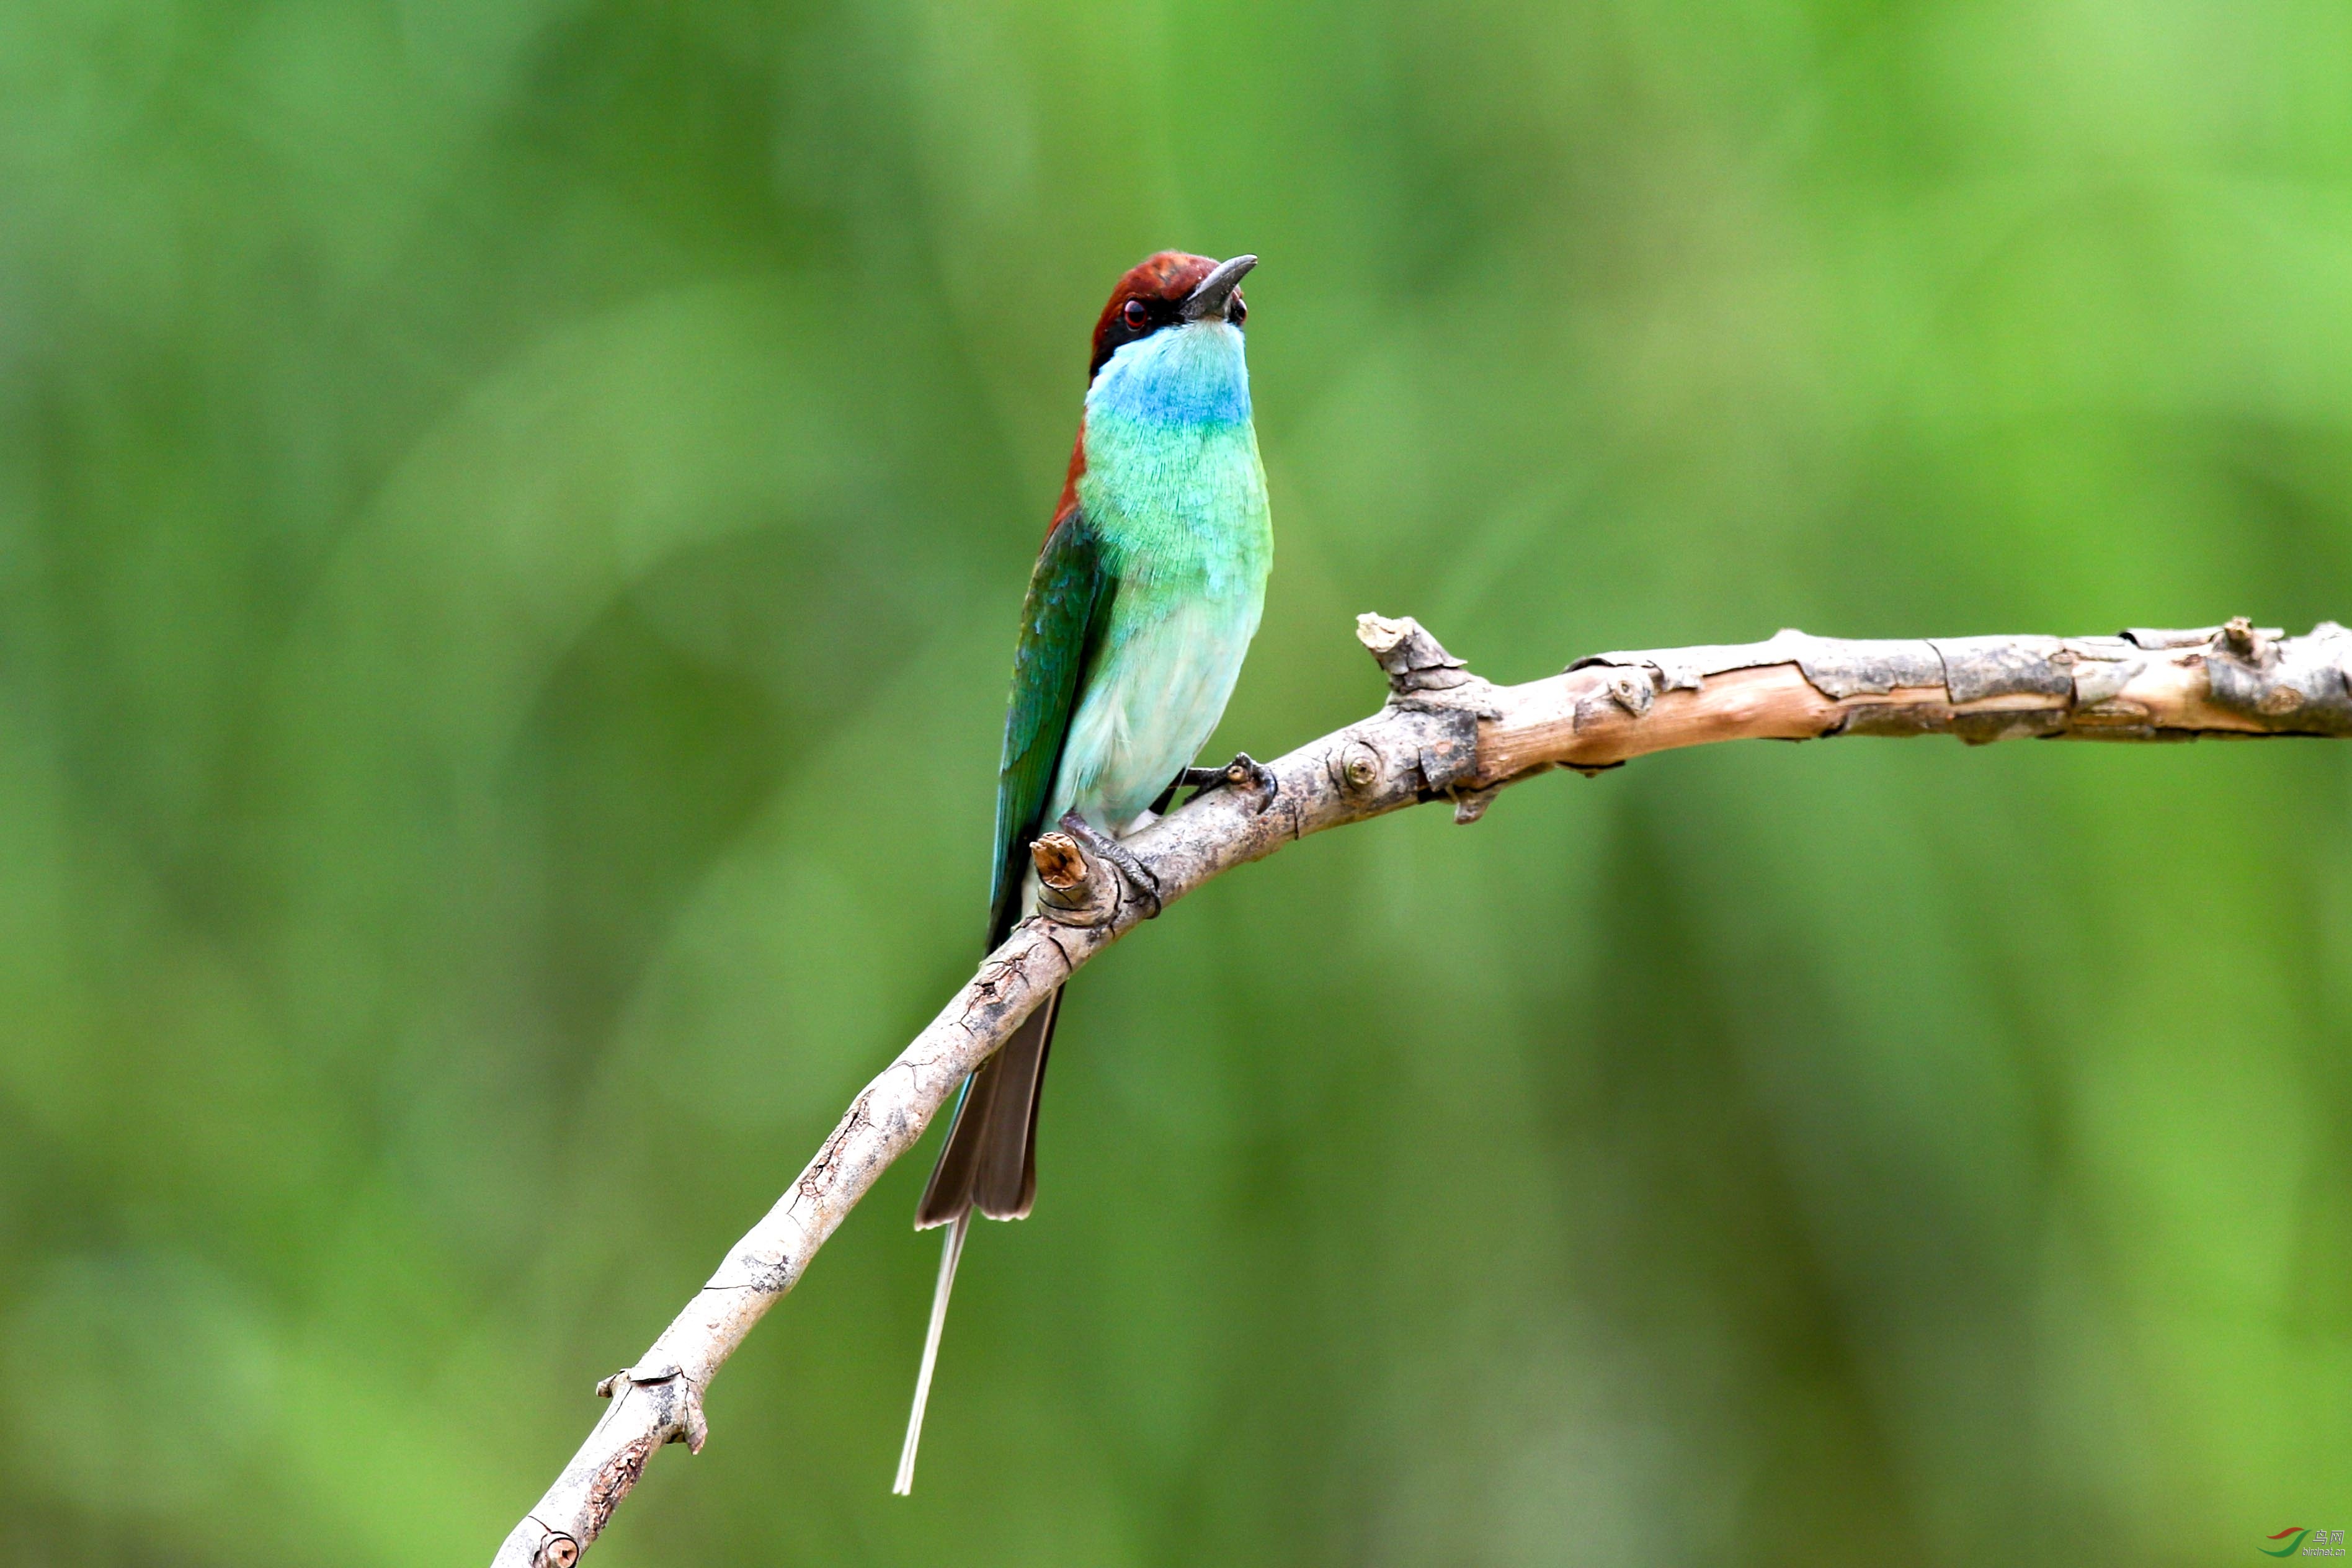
1191 374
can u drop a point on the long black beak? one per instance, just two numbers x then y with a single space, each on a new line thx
1216 291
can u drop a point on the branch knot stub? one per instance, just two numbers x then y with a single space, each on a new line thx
2238 635
1633 690
1074 888
1356 769
1061 865
680 1418
2298 683
1415 661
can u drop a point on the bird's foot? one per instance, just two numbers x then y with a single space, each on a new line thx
1243 769
1103 847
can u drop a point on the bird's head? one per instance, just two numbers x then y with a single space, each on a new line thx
1170 291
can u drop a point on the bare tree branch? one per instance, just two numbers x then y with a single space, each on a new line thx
1445 734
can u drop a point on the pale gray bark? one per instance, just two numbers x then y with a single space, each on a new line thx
1444 734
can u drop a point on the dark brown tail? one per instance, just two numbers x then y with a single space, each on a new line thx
990 1162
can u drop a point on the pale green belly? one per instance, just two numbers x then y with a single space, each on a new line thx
1156 697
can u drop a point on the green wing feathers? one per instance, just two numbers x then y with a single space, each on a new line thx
1061 620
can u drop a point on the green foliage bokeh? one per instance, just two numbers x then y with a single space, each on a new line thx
511 515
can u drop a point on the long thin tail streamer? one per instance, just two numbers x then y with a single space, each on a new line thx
904 1485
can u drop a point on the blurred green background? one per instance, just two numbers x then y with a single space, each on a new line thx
511 517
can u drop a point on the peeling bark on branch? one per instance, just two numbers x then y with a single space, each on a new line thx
1444 733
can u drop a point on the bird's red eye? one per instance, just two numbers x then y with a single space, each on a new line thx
1237 312
1134 315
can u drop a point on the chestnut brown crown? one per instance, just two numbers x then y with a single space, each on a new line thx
1150 296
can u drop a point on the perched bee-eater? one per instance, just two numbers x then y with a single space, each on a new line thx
1140 610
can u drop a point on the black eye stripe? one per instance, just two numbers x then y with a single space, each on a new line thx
1136 319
